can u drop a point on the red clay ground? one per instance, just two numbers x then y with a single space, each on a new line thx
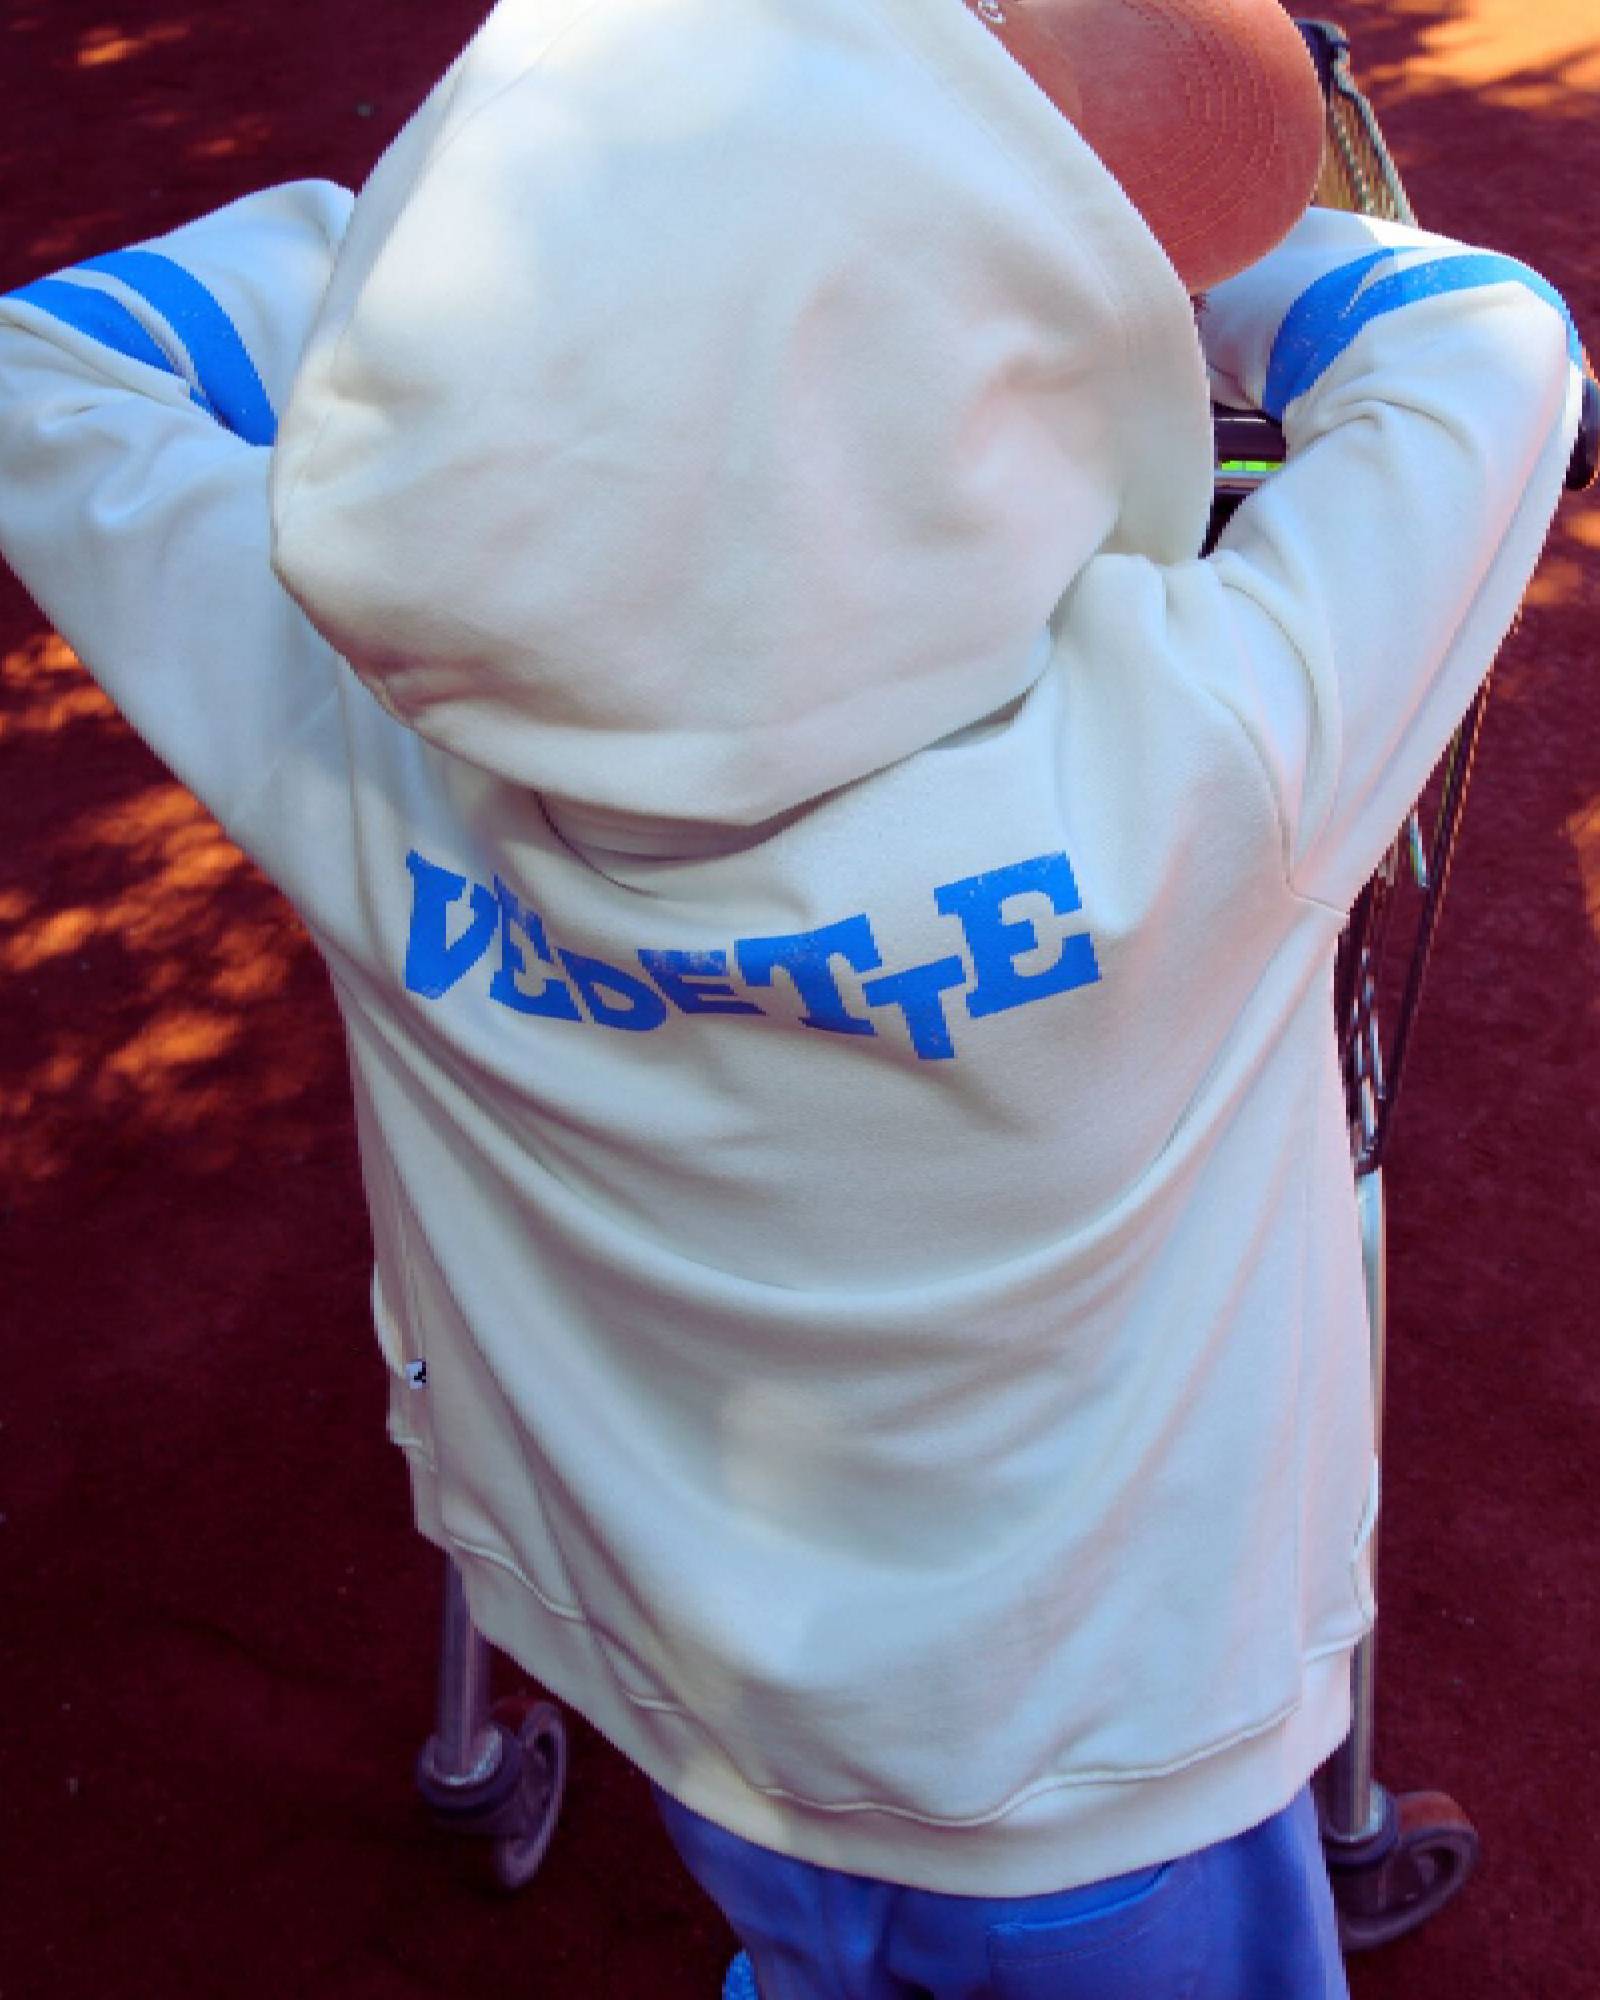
218 1625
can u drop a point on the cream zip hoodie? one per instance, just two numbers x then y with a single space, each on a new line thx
831 899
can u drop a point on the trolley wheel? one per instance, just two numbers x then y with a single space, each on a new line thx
514 1854
1586 446
1393 1881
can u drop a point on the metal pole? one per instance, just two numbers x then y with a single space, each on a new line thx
465 1747
1352 1806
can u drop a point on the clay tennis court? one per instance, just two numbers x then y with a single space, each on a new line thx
216 1624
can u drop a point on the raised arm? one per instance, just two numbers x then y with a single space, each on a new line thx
1429 394
138 393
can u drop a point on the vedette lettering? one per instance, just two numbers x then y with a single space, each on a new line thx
455 922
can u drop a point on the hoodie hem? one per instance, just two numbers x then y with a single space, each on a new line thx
1061 1832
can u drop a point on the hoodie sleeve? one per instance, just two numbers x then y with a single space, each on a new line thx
138 394
1429 395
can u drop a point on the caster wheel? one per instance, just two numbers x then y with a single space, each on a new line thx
1586 449
514 1854
1395 1879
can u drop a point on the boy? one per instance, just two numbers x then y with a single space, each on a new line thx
832 902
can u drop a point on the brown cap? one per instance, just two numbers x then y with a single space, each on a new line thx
1208 112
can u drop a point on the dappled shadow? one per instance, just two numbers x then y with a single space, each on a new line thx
96 47
1583 830
122 120
1569 573
1491 47
157 989
1489 107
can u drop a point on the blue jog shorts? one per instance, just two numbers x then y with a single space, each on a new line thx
1251 1918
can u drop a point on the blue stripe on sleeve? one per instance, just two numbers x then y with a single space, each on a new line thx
1317 312
1327 325
226 373
94 313
1457 274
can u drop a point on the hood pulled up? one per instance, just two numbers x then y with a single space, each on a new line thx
714 400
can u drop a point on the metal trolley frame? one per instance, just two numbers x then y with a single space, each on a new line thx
1394 1859
498 1771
